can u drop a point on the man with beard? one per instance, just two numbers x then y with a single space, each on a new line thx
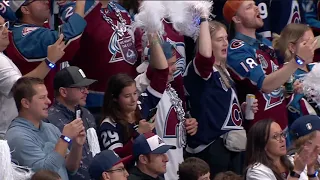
254 65
71 90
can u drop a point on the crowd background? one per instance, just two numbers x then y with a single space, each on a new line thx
104 90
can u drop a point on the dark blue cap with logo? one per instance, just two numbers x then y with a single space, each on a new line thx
104 161
149 143
305 125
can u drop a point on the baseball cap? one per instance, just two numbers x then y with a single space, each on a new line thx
16 4
104 161
149 143
167 50
305 125
230 9
71 76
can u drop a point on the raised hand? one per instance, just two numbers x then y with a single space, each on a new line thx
73 129
56 50
306 49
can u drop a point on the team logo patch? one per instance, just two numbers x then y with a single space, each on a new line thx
28 30
309 126
236 44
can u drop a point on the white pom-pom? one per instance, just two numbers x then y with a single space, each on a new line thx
191 13
150 16
310 84
8 170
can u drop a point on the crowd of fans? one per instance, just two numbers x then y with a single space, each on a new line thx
83 96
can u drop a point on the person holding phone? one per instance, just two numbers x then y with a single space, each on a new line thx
306 136
124 117
71 90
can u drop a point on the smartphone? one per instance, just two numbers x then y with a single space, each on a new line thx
78 111
152 112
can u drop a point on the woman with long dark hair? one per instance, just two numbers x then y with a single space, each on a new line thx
122 120
266 154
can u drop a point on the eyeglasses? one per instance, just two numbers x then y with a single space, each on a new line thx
278 136
123 170
4 26
81 89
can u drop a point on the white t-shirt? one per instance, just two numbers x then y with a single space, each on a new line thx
9 74
260 172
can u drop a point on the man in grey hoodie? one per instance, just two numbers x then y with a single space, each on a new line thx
39 145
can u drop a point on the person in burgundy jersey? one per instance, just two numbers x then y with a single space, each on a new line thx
121 112
111 46
29 39
254 65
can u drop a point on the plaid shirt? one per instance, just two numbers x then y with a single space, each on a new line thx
59 115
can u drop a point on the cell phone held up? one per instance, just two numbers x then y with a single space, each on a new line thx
78 112
152 112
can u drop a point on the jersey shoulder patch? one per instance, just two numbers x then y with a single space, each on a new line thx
28 30
236 44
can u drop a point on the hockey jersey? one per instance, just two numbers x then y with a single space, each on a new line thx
216 108
6 12
111 134
276 14
299 105
109 54
250 60
312 16
29 43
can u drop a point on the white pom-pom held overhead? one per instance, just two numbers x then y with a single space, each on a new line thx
150 16
310 84
193 10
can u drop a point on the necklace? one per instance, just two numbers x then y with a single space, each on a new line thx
177 105
121 28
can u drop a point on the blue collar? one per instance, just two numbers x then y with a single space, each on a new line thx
251 41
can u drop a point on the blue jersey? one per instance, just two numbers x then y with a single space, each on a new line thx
6 12
250 60
213 104
29 44
299 105
277 14
311 9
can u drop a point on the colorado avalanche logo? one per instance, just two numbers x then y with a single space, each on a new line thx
295 13
28 30
122 48
236 44
235 117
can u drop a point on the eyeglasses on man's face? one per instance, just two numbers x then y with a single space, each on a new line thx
4 26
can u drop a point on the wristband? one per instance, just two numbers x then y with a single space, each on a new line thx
50 64
202 20
299 61
313 175
294 174
65 138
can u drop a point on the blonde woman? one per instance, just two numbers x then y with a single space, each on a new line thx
287 45
216 108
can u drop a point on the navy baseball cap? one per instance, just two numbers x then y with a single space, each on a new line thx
104 161
305 125
149 143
